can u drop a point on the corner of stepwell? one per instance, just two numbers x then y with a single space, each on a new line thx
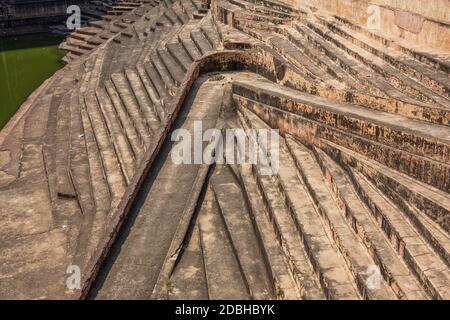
358 89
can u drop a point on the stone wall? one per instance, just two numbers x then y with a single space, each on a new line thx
426 23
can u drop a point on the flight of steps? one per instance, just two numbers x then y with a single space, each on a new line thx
156 220
104 20
381 205
121 20
128 110
106 114
319 228
328 66
347 65
363 177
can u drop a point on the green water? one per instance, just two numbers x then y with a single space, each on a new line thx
25 62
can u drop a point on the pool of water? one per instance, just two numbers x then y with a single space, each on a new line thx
25 62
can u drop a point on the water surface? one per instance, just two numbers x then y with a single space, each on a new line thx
25 62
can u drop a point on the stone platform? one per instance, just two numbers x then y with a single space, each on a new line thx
86 177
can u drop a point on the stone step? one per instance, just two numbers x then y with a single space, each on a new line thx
136 53
64 183
106 35
324 256
151 40
178 52
145 102
393 217
101 188
151 91
95 41
164 21
76 51
88 31
224 277
178 10
79 36
129 33
189 8
395 77
258 17
261 9
175 69
375 100
72 42
316 35
162 71
34 127
49 143
322 59
190 48
100 24
119 10
196 4
277 5
127 124
356 255
211 34
153 14
167 34
287 236
162 212
204 5
289 239
172 17
393 157
79 163
120 24
406 60
166 3
420 133
201 42
30 160
436 236
108 18
186 284
359 216
286 47
284 286
114 30
156 80
31 131
241 233
86 46
132 107
434 203
121 145
128 4
406 241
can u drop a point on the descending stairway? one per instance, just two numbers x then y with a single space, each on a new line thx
121 19
358 208
331 222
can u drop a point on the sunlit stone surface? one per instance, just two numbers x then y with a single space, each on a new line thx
359 208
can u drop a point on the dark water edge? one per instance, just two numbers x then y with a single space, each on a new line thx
25 63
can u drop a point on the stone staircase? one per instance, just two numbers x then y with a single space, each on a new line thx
329 216
121 19
363 175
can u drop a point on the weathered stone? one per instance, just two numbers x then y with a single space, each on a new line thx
362 186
